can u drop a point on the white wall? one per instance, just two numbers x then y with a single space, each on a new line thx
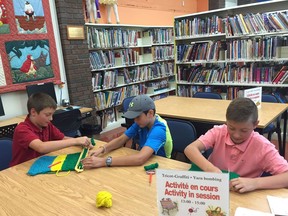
231 3
14 103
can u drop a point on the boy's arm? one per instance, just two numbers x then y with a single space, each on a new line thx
243 185
193 152
137 159
49 146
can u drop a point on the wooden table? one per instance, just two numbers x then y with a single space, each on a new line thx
214 111
75 194
11 121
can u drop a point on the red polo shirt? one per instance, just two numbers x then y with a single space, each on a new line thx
24 134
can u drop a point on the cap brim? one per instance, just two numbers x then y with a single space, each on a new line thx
131 114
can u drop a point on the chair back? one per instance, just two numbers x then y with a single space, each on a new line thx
183 133
68 122
269 98
5 153
7 131
211 95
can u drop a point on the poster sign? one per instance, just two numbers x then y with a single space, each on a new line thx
192 193
255 94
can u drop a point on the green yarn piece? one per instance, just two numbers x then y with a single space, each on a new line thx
232 175
93 141
70 162
151 167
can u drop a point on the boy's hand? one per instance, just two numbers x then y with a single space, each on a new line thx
93 162
84 142
242 185
96 152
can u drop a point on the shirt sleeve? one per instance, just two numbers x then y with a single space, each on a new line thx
132 130
157 138
272 161
23 136
208 139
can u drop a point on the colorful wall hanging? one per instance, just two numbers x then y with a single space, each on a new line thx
28 53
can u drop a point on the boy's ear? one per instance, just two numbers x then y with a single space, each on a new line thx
33 111
256 124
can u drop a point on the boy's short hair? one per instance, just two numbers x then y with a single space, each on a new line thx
242 110
40 101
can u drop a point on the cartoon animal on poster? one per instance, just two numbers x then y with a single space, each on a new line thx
93 8
4 26
29 16
29 60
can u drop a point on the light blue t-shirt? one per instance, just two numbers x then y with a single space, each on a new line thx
158 137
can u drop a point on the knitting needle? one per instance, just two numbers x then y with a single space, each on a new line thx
51 165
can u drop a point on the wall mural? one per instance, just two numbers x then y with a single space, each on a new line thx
28 52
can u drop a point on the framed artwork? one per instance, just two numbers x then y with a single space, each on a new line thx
28 53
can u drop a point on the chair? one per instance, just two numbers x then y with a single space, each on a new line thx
272 128
7 131
202 128
183 133
211 95
5 153
69 121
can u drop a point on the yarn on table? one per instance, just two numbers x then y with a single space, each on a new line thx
104 199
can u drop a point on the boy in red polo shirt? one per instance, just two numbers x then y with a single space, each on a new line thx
37 135
238 148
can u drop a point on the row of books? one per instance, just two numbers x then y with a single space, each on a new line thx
199 26
161 35
111 38
266 48
256 23
111 79
189 91
111 115
163 53
233 25
108 99
108 116
107 59
199 51
232 73
158 84
256 48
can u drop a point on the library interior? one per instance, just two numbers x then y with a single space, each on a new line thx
98 60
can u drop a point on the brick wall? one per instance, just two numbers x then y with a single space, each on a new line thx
75 54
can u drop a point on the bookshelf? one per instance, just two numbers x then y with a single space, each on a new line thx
231 49
128 60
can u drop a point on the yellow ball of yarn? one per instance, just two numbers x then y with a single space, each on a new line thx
104 198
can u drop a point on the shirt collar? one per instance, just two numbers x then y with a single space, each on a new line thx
242 147
33 126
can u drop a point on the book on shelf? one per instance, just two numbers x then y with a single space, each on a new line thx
280 74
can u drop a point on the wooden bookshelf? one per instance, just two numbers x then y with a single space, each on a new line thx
128 60
230 49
